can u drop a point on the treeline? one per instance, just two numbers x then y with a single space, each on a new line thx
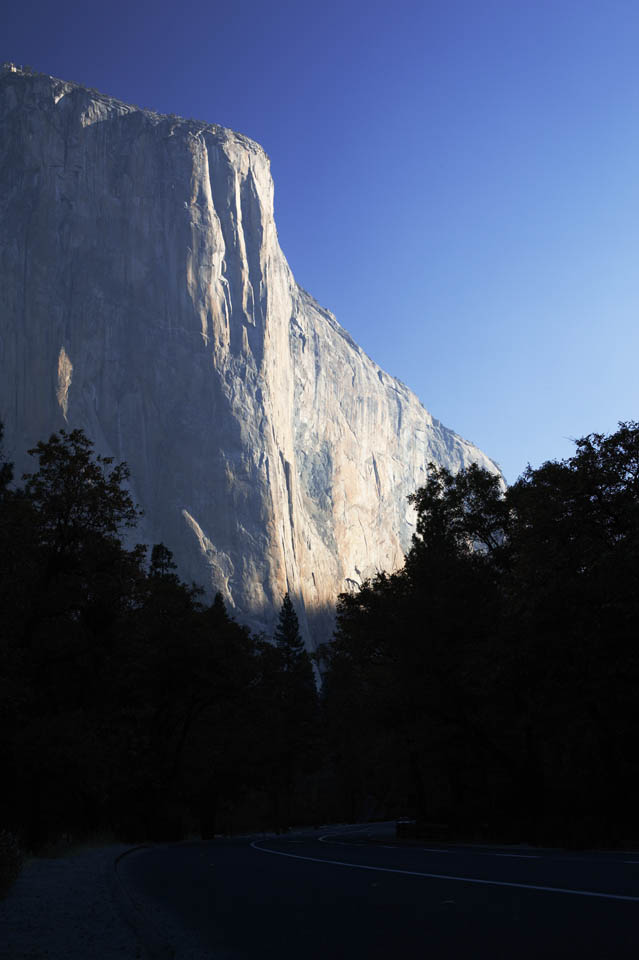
127 704
491 687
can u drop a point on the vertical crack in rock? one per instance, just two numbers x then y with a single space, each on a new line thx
376 472
289 495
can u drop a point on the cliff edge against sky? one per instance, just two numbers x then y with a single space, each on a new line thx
144 297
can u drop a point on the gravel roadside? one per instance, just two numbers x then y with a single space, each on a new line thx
66 908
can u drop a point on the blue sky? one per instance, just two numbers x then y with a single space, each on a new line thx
457 181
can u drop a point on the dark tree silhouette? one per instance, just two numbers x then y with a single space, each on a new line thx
287 632
162 562
125 701
6 468
77 493
488 687
492 678
292 709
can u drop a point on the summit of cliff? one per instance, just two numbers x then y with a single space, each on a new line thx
44 85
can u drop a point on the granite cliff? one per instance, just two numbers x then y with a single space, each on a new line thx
144 297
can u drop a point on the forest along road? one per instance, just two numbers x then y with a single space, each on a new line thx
352 892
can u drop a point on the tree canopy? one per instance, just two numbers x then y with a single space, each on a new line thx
494 677
488 687
127 701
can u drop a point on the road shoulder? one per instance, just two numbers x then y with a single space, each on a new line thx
67 908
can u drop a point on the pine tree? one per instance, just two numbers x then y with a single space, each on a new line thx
219 613
162 562
295 723
287 635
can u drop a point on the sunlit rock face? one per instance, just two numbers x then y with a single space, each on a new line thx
144 297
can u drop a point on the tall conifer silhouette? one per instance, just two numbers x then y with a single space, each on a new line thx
287 633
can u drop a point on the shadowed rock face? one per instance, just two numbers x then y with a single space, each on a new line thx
144 297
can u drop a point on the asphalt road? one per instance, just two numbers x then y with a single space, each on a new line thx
341 893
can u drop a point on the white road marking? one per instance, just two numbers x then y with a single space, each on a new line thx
481 853
443 876
328 838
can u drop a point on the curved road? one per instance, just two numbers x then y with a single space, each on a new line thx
354 892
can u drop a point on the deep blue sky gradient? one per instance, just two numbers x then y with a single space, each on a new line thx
458 181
